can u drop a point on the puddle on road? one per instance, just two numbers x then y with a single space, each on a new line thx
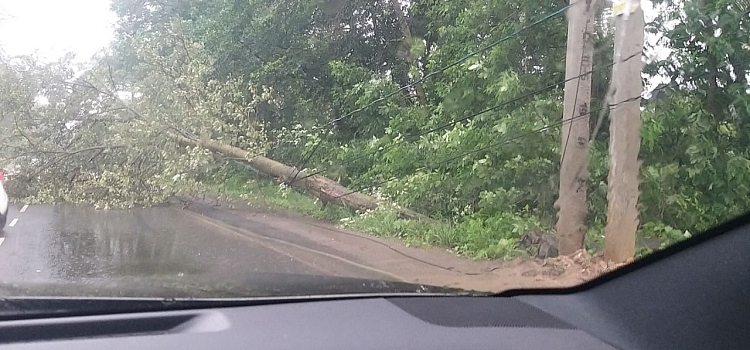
113 243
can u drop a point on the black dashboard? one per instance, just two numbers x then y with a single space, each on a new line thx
378 323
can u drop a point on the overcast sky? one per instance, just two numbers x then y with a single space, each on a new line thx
51 28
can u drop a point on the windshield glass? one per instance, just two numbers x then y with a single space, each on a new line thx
191 148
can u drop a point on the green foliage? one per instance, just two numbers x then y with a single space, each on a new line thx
101 137
697 162
697 174
494 237
263 193
664 233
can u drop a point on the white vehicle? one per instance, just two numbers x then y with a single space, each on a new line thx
3 202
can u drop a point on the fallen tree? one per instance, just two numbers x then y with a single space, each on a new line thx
323 188
109 136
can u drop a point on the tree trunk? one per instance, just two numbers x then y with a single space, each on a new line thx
625 141
571 204
406 32
321 187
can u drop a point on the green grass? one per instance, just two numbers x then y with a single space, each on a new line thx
477 238
493 237
267 194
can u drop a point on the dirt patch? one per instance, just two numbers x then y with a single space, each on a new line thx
578 266
391 257
583 264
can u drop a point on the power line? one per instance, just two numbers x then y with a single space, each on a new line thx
411 138
603 110
575 100
448 160
578 87
433 73
505 141
597 129
303 163
454 63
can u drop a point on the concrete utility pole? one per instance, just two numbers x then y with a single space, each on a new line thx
625 136
406 32
571 204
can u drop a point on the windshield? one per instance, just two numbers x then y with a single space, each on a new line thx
191 148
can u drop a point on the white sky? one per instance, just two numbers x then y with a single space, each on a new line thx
51 28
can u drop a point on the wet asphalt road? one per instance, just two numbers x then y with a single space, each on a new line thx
154 247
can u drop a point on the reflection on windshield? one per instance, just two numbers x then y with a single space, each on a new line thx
225 148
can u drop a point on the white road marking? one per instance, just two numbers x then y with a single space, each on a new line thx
23 209
2 239
13 223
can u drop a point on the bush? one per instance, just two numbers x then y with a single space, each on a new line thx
267 194
665 234
476 237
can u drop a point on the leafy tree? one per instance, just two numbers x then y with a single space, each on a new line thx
100 138
696 157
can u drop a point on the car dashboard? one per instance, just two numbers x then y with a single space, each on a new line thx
373 323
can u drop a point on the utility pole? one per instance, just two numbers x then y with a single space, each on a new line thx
625 134
406 42
571 203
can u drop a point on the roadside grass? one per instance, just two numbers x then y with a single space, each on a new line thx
476 238
264 193
495 237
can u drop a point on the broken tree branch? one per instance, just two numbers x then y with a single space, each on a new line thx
323 188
